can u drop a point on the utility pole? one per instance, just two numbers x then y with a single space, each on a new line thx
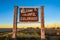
42 23
15 23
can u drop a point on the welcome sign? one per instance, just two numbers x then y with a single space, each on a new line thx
28 14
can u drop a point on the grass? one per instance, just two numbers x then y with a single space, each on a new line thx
50 35
27 35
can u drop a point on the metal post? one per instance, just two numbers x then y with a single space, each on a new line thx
42 23
15 23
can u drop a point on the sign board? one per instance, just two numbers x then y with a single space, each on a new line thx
28 14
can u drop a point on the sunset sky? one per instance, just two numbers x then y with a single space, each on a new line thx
51 11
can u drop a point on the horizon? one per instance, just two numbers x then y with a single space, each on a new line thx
33 26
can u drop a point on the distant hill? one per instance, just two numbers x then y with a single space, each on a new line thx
5 29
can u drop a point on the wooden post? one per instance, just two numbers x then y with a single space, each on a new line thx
42 23
15 23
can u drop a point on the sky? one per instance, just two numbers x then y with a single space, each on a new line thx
51 10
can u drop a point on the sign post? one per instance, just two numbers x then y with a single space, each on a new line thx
28 14
15 23
42 23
